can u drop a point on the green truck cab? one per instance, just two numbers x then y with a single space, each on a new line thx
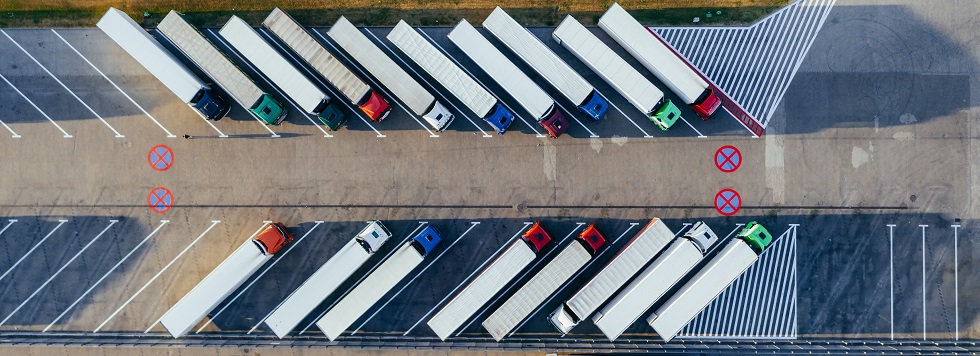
269 110
665 116
755 236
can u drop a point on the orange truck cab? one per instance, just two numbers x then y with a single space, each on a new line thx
273 238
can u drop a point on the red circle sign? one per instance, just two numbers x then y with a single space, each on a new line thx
161 157
728 158
160 200
728 202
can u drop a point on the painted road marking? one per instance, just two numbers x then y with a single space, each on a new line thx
728 202
56 273
14 134
891 276
233 299
29 101
410 235
21 259
513 282
9 222
89 290
645 134
415 117
923 280
472 225
160 200
431 87
536 132
114 84
161 158
956 280
113 315
692 128
229 49
570 280
508 242
360 112
728 158
118 135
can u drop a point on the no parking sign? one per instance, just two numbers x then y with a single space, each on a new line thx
728 202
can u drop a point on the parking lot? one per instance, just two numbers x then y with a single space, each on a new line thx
874 202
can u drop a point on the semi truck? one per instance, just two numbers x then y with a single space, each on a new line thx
162 64
225 279
528 94
451 76
402 85
244 39
543 284
660 60
537 55
336 73
327 278
614 70
653 283
489 282
617 272
379 283
206 56
721 270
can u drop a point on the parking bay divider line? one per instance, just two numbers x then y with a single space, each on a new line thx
114 84
645 134
113 315
9 222
14 134
29 101
267 268
56 273
118 135
22 258
96 284
244 106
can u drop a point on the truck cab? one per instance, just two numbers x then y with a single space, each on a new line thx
500 118
273 238
595 106
755 236
536 237
438 116
707 104
702 236
330 115
375 106
555 123
212 106
427 240
592 239
665 115
563 319
269 110
373 236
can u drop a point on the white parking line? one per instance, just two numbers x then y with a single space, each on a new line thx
89 290
56 273
692 128
923 280
569 114
472 225
645 134
891 275
410 235
244 106
14 134
233 299
9 222
213 223
956 280
118 135
431 87
536 132
513 283
4 275
415 117
113 84
570 280
460 285
29 101
357 111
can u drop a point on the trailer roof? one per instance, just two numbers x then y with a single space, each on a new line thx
203 53
372 58
301 42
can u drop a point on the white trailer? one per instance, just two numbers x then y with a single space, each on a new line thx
244 39
654 282
451 76
327 279
378 283
520 305
712 279
382 67
489 282
530 49
660 60
225 279
329 67
528 94
207 57
637 252
614 70
162 64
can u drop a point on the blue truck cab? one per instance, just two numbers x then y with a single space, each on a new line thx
595 106
427 240
500 118
209 104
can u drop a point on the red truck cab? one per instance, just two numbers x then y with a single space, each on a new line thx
375 106
555 123
707 104
592 239
537 237
273 238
